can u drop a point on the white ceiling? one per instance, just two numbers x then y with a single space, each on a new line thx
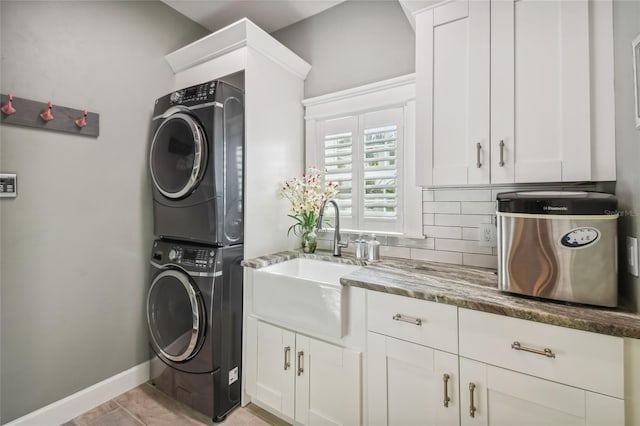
270 15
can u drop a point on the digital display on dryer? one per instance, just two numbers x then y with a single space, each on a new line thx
189 256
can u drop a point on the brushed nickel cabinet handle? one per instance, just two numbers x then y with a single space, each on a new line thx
445 378
472 407
407 318
287 358
501 163
300 360
546 351
478 149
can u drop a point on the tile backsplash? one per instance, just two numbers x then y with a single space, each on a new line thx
451 218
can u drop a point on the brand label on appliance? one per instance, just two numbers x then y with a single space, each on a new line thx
580 237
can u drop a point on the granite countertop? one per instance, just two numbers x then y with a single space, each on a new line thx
471 288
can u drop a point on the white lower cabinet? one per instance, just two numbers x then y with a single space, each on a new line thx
409 384
493 396
307 380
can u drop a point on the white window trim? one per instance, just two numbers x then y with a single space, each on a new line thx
395 92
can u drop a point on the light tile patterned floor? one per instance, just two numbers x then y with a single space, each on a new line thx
147 406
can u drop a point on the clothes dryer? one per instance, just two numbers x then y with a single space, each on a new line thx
196 164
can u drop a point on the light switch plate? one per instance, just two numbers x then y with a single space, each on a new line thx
8 185
632 256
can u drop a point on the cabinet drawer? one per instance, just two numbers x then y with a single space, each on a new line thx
578 358
419 321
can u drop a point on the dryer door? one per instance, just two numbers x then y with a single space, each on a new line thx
177 158
175 316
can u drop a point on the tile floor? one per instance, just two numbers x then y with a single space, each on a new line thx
146 405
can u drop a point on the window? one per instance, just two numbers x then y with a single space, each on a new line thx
364 139
364 155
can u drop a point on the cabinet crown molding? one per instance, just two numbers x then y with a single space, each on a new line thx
242 33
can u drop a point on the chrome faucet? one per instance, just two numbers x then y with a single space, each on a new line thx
337 244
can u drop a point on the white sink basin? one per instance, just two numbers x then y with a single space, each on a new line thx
304 293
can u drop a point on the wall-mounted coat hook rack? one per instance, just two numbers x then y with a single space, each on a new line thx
30 113
8 108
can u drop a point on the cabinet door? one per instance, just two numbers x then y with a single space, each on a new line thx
492 396
540 93
275 378
452 102
328 384
410 384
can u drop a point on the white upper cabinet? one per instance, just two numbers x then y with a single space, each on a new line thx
514 91
452 88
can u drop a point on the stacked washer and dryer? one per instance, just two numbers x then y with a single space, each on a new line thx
194 301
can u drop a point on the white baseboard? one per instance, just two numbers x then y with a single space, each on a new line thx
80 402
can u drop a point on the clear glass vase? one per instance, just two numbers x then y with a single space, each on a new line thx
309 240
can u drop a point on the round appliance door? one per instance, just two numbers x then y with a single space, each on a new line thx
175 315
177 158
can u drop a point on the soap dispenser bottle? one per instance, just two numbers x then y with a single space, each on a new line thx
373 249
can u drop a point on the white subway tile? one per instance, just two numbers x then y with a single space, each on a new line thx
494 251
428 207
443 232
472 234
389 251
436 256
461 220
427 243
478 207
461 246
427 195
481 260
463 195
447 207
428 219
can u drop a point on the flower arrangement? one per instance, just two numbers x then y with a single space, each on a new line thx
306 195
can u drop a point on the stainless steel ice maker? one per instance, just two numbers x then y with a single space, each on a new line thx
559 245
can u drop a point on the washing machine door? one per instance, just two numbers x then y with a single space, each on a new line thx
177 159
175 315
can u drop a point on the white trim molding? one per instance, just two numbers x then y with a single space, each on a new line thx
240 34
82 401
382 94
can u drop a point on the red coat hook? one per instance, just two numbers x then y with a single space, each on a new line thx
82 121
8 108
46 115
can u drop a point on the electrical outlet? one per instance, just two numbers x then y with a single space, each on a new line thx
632 256
488 237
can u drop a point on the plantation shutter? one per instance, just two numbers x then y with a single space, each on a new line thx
381 137
338 150
363 154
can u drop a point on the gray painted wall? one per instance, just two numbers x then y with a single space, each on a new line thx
626 25
351 44
75 242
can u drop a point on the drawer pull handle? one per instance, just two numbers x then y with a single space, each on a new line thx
445 378
472 406
501 163
300 366
546 351
287 358
407 318
478 149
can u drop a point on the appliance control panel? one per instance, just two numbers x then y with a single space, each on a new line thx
8 185
199 93
192 257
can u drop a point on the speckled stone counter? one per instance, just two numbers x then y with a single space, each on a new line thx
471 288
